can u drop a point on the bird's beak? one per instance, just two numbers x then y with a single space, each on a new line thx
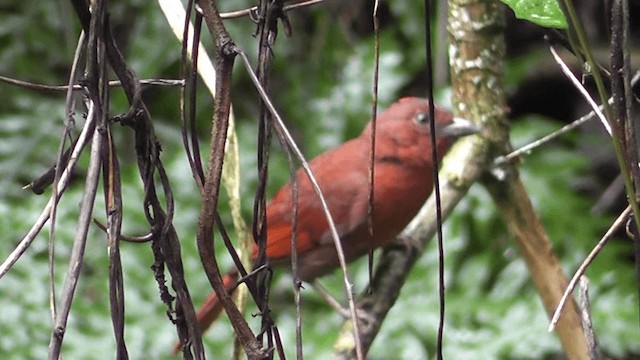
459 127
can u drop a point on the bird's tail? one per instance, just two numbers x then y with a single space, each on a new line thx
212 307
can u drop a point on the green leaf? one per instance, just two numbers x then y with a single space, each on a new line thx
545 13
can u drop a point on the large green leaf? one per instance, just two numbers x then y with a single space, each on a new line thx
545 13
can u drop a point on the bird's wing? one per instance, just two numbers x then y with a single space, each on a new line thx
341 179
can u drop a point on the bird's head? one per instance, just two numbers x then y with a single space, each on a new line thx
404 129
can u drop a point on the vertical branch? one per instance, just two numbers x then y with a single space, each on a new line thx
374 122
113 197
622 104
264 136
188 109
96 75
224 58
112 194
266 31
436 178
269 12
63 158
77 251
297 283
585 309
113 203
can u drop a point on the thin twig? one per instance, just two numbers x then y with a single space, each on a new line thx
565 69
585 314
69 124
65 177
294 255
77 251
191 91
374 122
563 130
175 14
114 83
132 239
113 209
583 267
247 12
545 139
266 32
436 179
329 299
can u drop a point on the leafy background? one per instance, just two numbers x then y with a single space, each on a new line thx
322 78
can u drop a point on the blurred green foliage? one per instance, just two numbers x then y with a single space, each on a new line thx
322 78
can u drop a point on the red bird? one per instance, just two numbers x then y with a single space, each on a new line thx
403 180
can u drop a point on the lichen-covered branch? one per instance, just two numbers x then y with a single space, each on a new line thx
477 55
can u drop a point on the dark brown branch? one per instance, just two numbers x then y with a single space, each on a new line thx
113 202
224 58
268 13
621 93
188 98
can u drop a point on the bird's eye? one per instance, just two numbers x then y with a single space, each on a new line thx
423 118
